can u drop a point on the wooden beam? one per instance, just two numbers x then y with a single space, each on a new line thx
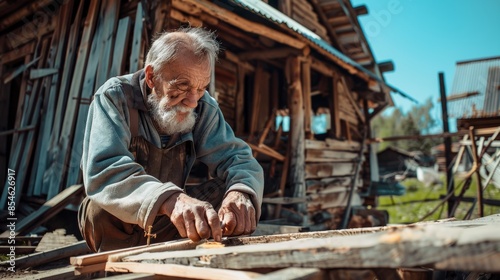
297 133
36 259
335 107
55 60
40 73
19 53
458 96
244 24
24 12
240 101
183 271
135 55
66 109
475 247
322 67
324 20
272 53
183 18
293 273
46 211
83 85
306 92
257 93
354 104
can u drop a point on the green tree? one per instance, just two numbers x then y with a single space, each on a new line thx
417 121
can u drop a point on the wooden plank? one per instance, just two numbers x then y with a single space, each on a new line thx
28 33
109 15
121 47
40 73
176 270
306 92
315 155
64 114
335 107
136 276
331 185
16 146
258 76
335 145
31 145
137 39
160 16
354 104
55 60
19 249
332 200
293 273
36 259
63 273
240 100
18 53
82 85
465 246
183 18
93 268
47 210
272 53
296 136
321 170
23 13
267 151
21 69
64 154
101 257
244 24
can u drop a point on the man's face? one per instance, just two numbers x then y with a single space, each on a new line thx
176 91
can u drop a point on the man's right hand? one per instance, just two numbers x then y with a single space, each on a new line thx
193 218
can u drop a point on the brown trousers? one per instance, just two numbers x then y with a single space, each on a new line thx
104 232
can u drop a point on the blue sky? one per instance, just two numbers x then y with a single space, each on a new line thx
425 37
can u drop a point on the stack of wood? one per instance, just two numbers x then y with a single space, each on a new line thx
416 251
69 54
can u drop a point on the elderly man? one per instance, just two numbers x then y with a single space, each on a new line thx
143 134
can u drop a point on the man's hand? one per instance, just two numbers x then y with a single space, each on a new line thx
193 218
237 214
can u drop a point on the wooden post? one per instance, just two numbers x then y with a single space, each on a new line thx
296 140
306 91
336 131
477 166
447 143
240 100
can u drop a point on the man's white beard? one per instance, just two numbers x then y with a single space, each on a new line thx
166 118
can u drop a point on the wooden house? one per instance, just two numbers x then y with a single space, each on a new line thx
298 59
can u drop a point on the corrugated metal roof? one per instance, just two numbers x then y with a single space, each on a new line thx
481 76
265 10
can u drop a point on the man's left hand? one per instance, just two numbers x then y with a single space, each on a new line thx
237 214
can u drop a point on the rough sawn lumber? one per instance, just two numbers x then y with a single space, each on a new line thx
466 246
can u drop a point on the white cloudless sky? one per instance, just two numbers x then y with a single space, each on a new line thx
425 37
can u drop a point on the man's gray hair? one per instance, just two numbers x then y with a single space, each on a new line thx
166 46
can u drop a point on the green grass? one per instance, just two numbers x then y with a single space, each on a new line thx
411 208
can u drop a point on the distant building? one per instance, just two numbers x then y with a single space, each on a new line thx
475 94
396 164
